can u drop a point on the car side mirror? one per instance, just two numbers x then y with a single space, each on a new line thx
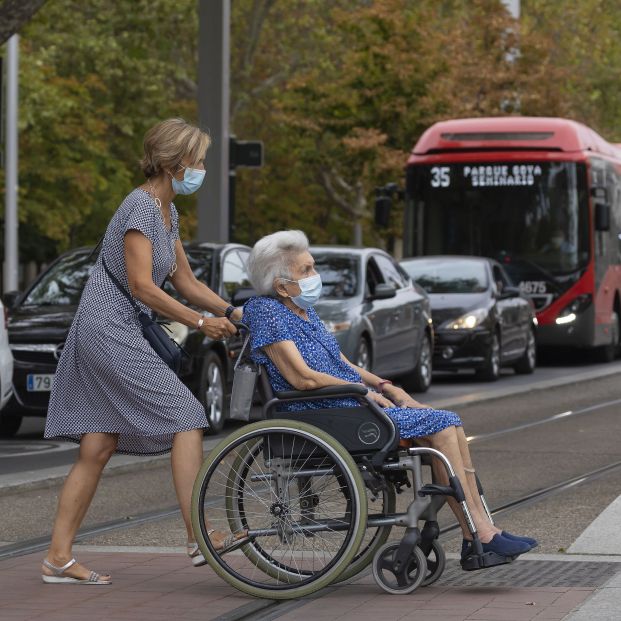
384 291
602 217
509 292
10 298
242 295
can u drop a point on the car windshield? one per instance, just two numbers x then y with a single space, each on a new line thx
62 284
339 275
457 276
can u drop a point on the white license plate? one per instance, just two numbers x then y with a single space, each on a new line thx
39 382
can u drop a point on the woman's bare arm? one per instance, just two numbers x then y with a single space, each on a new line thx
193 290
288 360
394 393
138 259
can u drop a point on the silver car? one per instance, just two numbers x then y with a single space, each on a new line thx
381 319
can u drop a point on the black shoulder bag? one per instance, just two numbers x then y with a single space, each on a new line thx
167 349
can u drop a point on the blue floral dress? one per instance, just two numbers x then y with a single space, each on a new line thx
271 322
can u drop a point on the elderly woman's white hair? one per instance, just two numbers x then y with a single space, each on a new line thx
271 258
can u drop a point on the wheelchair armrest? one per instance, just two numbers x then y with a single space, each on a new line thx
327 392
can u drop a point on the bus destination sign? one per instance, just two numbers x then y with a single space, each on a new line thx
502 175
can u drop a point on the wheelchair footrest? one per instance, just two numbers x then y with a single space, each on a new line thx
472 562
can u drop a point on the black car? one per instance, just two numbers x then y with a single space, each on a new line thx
481 320
40 318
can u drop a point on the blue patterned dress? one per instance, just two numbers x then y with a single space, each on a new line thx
270 322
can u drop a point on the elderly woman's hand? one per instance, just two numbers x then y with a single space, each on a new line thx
380 399
402 398
218 328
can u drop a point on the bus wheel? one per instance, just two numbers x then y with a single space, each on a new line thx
609 352
528 361
490 371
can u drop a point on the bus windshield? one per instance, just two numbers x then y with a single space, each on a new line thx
531 216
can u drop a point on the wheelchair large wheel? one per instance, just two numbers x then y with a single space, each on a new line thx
375 537
299 496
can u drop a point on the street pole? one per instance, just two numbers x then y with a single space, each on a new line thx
10 193
213 109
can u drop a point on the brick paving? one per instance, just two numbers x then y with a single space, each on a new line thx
164 586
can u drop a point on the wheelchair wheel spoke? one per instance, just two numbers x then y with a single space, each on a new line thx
300 523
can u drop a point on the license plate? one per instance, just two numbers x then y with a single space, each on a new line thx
39 382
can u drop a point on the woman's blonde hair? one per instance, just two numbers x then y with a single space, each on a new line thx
168 142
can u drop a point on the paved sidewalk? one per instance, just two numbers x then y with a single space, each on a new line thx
154 586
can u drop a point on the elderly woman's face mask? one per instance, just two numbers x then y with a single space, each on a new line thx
310 291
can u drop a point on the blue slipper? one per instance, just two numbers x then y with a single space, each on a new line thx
499 545
533 543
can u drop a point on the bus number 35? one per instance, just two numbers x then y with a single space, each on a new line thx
440 177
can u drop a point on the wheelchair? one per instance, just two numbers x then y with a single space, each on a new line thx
312 496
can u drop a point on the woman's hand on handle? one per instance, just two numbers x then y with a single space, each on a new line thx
218 328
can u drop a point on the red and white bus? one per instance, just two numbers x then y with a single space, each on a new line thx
540 195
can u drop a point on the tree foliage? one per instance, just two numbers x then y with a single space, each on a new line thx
338 91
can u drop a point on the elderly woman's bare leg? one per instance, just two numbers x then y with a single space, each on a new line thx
446 441
75 499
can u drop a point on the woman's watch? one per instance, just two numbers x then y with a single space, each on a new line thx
229 311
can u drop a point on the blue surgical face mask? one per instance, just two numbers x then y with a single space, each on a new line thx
310 290
192 180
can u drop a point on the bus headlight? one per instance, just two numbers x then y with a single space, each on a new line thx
468 321
570 313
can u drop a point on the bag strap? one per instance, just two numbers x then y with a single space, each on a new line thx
121 288
244 352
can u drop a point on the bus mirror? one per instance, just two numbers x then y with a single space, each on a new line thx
383 207
602 217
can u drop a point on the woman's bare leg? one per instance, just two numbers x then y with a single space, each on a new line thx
447 442
76 496
471 480
186 459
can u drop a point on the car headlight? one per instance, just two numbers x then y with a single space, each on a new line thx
337 326
570 313
178 332
468 321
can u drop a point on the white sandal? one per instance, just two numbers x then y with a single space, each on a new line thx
58 578
195 554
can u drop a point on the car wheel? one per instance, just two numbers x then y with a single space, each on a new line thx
9 425
420 378
363 354
527 363
213 392
490 371
608 353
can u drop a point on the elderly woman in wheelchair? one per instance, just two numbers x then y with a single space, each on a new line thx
294 485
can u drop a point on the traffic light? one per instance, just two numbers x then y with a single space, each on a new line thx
245 153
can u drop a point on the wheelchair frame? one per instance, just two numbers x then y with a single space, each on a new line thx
363 470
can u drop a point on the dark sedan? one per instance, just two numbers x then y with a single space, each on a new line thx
481 320
41 317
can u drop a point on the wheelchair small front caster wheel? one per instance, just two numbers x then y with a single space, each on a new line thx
436 562
399 581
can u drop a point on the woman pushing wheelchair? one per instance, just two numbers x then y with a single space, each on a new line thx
298 352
